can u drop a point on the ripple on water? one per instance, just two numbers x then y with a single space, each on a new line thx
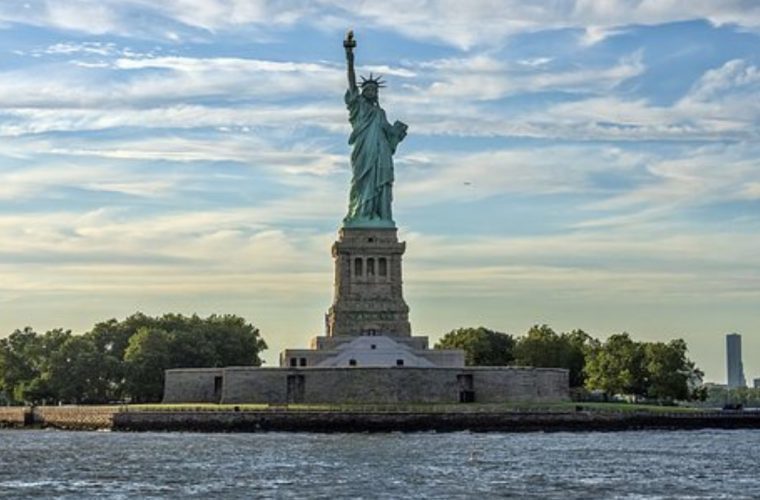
634 465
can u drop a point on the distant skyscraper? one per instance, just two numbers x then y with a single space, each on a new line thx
734 361
757 383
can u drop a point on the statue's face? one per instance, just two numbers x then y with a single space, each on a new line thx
370 92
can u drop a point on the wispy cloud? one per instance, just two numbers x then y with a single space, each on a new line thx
28 182
485 22
479 22
437 176
711 174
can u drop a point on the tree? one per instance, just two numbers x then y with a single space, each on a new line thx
577 345
717 396
25 364
148 354
670 373
235 342
177 341
483 347
225 340
617 367
542 347
110 339
117 359
219 340
78 372
41 390
16 364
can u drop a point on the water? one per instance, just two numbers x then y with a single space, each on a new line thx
631 465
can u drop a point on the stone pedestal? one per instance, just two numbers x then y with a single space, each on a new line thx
368 298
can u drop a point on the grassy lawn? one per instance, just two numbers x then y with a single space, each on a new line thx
637 407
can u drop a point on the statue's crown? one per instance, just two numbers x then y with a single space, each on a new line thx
372 81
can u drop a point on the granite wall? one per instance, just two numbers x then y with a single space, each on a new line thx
193 385
367 385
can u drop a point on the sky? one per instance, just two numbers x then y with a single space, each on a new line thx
576 163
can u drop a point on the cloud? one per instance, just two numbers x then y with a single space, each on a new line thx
160 167
136 95
700 176
596 34
30 182
751 191
36 121
109 250
479 22
646 261
538 61
733 75
489 22
118 17
486 77
448 96
724 104
437 177
617 187
182 79
122 78
89 48
226 64
119 250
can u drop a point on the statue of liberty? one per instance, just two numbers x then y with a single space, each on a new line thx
374 141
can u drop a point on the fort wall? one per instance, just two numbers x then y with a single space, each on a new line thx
367 385
194 385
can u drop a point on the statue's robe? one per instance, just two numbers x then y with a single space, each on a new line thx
374 141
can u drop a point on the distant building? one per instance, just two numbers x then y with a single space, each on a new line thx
734 361
756 383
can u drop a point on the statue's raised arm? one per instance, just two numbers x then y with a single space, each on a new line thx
349 43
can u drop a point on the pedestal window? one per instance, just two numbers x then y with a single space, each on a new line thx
358 271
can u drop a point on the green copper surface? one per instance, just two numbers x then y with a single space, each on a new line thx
374 142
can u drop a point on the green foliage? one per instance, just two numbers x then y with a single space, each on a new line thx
482 347
81 373
543 347
120 360
540 347
658 371
577 345
653 370
717 396
25 364
148 354
219 340
617 366
671 374
117 360
16 361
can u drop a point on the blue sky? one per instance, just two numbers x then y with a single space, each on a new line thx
586 164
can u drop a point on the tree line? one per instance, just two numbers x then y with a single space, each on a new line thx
120 360
718 396
619 365
125 360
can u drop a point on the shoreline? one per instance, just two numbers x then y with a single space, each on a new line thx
237 419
